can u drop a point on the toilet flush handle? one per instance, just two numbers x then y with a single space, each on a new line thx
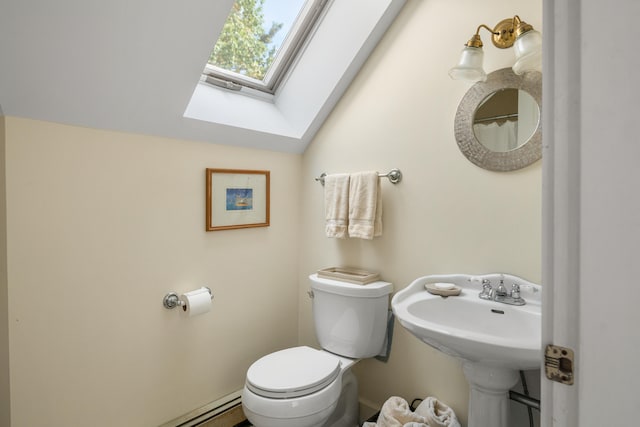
310 293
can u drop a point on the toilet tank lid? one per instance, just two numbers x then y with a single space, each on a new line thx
370 290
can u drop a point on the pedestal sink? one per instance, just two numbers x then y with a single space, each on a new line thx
492 339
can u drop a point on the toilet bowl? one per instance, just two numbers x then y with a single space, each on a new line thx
300 387
306 387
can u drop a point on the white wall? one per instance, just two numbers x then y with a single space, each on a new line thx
609 218
101 225
591 222
447 215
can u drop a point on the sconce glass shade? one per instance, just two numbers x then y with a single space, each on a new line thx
528 50
469 66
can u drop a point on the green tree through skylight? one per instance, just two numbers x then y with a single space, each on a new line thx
243 46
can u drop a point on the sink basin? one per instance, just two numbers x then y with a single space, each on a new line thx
471 328
492 339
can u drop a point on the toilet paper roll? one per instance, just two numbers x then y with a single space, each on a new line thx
196 302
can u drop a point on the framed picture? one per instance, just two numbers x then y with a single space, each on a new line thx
237 199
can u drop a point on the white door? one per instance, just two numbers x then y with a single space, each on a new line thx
591 227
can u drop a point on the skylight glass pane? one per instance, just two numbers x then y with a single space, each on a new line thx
253 36
260 42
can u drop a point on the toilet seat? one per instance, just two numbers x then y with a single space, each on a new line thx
293 372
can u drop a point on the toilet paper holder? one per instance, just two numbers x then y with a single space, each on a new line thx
172 300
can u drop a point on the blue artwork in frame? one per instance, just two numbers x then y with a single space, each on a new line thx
239 199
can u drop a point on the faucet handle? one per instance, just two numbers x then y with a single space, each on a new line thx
487 290
515 291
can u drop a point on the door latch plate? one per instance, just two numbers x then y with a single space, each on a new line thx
559 364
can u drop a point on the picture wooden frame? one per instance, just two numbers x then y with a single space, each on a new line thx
237 198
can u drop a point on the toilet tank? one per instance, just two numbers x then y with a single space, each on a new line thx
350 320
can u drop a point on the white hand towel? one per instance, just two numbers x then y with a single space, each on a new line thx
336 205
396 413
436 413
365 205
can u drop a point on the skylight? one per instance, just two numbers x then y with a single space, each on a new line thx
340 42
259 43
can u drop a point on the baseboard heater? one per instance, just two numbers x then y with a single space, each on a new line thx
207 412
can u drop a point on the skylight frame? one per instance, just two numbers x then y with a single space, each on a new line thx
291 48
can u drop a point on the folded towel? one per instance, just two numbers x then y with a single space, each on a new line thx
396 413
436 413
365 205
336 204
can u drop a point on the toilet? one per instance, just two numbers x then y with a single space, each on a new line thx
306 387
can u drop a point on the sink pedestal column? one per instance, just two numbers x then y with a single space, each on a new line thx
489 394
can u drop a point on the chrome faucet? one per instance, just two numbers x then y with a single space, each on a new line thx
500 294
501 291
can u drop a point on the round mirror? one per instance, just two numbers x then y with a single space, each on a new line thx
498 121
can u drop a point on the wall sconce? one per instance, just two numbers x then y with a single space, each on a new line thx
526 42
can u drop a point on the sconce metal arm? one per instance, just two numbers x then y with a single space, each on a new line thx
475 40
486 27
503 35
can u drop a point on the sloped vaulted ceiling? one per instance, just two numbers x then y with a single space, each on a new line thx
133 66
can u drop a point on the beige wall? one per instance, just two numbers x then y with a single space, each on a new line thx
447 216
101 225
5 411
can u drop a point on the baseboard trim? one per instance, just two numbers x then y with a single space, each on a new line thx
199 416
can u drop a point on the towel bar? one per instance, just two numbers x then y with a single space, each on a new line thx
394 175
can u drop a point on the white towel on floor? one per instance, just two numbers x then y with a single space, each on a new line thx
436 413
430 413
336 204
365 205
396 413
